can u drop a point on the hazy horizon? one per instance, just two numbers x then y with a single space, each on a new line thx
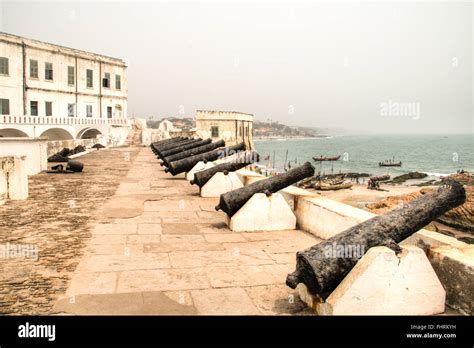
399 68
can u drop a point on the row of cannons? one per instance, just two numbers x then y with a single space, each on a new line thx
330 282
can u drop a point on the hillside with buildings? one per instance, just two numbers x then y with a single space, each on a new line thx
260 129
278 130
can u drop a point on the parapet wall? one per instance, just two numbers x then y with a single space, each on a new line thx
35 150
452 260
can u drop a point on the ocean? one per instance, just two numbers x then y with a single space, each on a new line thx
436 155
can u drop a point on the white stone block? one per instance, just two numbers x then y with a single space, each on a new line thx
3 186
18 179
221 183
383 284
262 213
197 168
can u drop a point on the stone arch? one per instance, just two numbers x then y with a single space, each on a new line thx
88 133
57 134
12 132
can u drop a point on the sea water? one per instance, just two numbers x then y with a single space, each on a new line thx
436 155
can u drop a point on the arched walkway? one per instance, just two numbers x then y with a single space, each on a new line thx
88 133
57 134
12 132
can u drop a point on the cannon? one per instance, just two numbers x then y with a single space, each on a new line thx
186 164
165 141
192 152
322 270
178 147
173 145
197 143
72 167
232 201
155 146
202 177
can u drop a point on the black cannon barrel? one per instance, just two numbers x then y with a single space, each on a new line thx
197 143
156 146
193 152
232 201
202 177
75 166
186 164
172 146
179 147
165 141
322 269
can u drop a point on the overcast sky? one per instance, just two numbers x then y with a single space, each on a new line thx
385 67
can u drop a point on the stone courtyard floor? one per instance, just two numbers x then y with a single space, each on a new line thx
139 241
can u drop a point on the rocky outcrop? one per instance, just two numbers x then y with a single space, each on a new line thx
404 177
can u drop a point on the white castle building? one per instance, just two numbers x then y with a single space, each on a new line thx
61 93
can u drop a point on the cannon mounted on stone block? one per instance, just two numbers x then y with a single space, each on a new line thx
321 269
186 164
202 177
232 201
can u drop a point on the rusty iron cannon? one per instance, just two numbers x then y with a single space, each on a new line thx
232 201
192 152
202 177
176 146
156 145
322 270
186 164
181 148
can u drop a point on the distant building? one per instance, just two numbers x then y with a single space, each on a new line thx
233 127
61 93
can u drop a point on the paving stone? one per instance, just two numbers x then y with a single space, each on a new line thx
92 283
149 228
227 301
224 238
115 229
247 275
141 261
162 280
277 300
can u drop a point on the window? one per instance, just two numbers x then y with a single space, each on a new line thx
118 111
48 71
33 69
215 132
33 108
48 107
106 80
3 66
90 78
70 110
88 110
4 107
109 112
70 75
118 82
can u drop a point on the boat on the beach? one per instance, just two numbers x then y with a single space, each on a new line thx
322 159
380 177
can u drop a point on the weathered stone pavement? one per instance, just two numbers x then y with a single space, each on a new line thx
162 249
46 234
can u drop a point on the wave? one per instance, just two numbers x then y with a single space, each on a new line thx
438 174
